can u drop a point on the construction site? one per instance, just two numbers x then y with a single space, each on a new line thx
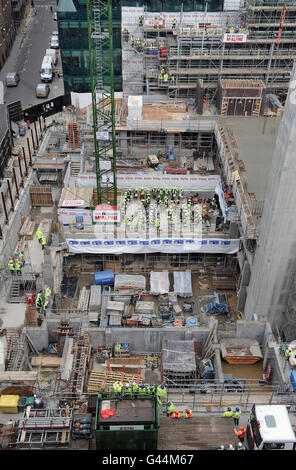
136 234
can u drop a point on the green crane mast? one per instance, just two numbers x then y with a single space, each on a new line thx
100 38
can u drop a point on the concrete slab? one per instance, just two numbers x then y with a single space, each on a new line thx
12 315
36 255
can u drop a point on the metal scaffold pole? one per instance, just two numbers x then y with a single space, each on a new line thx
100 36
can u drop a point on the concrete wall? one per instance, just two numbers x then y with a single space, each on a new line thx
274 267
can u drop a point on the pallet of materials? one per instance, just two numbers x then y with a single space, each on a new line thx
159 282
114 319
99 380
129 281
46 362
240 350
178 360
28 229
145 308
118 306
95 298
83 300
129 364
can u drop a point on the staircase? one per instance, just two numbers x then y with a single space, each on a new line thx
75 168
14 292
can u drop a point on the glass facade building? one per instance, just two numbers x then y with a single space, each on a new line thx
73 35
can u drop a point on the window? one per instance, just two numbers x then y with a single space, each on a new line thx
274 446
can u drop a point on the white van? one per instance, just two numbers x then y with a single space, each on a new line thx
46 71
269 428
54 54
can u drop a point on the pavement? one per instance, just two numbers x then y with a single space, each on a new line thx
26 57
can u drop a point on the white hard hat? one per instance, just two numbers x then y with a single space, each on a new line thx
230 446
239 444
127 385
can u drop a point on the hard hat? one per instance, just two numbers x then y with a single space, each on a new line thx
134 383
187 411
229 409
222 447
151 384
169 403
241 427
236 409
142 385
162 386
127 385
239 444
230 446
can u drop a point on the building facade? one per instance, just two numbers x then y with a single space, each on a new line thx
7 30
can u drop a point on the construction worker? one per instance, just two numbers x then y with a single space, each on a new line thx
165 78
174 23
228 413
11 267
117 387
288 352
142 389
127 389
141 19
43 243
161 391
172 79
45 305
18 268
240 446
187 413
170 408
240 433
128 221
160 77
22 258
236 416
38 301
221 447
38 235
157 223
151 389
135 388
47 293
230 447
176 415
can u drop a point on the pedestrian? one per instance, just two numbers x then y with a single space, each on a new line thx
51 9
38 302
228 413
43 243
240 433
236 416
45 305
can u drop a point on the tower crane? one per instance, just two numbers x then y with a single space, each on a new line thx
100 38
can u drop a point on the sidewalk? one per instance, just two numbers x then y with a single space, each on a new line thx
16 50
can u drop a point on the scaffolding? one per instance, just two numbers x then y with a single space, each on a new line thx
257 42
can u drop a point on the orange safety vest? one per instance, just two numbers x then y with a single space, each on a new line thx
176 414
240 433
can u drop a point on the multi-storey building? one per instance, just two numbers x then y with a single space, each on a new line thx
7 30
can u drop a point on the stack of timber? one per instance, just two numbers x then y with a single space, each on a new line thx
99 380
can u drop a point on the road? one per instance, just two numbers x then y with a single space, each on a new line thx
28 57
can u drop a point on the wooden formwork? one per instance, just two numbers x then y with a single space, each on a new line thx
41 196
240 97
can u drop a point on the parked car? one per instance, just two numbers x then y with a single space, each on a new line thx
54 43
55 34
42 90
12 79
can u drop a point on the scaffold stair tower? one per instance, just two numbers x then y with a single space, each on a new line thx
100 37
